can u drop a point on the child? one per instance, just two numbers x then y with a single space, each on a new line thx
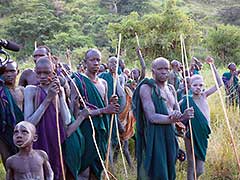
27 163
200 122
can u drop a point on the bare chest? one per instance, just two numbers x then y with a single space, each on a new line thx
101 88
169 98
18 96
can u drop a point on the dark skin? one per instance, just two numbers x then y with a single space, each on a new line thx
10 74
36 164
160 71
92 63
28 76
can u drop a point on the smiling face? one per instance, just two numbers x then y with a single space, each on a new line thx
44 70
24 134
197 84
160 69
10 73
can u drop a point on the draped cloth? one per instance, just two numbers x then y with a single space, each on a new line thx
200 129
10 115
157 145
126 116
101 125
47 133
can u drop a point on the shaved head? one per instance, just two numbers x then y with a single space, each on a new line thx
159 60
91 52
44 60
28 126
196 77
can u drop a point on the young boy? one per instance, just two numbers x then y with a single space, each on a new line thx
200 122
27 163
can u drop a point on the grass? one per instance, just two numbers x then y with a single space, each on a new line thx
221 163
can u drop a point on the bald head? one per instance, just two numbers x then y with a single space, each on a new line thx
196 77
29 126
160 60
92 52
44 60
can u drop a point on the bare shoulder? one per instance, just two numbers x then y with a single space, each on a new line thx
21 88
10 161
27 72
42 153
30 89
145 90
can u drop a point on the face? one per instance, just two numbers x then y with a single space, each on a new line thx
112 64
135 74
197 86
161 70
10 73
232 67
39 53
93 61
23 135
44 73
102 69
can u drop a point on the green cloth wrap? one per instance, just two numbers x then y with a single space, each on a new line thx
157 145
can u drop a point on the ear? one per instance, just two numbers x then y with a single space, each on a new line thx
35 138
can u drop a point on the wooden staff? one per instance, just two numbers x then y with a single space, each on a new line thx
113 115
35 45
91 121
68 58
184 56
226 117
59 140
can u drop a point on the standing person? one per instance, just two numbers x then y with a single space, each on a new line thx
95 92
200 122
28 76
175 77
40 110
36 164
109 77
230 80
156 110
11 105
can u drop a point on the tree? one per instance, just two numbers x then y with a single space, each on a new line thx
224 42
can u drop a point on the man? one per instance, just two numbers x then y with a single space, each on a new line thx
230 80
94 91
175 77
28 76
40 109
109 77
11 103
156 110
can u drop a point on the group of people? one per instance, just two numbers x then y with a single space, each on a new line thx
46 116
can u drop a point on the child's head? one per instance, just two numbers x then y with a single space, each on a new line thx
197 84
24 134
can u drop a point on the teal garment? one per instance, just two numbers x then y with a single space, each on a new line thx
73 148
101 125
200 129
156 144
195 71
10 115
108 77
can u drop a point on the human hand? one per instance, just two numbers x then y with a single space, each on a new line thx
113 99
209 60
112 109
188 114
175 115
53 89
84 113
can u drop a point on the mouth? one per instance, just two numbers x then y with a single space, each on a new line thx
19 142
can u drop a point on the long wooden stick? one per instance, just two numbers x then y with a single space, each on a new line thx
226 118
184 56
91 122
68 58
113 115
59 140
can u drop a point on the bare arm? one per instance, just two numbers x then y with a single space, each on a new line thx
64 111
122 95
9 170
213 89
48 172
73 127
29 112
143 65
149 109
